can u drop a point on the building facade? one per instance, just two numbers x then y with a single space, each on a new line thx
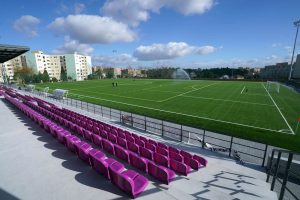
7 69
78 67
296 70
280 71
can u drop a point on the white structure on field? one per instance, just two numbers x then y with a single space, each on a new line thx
78 67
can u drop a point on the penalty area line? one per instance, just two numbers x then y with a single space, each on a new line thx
177 113
243 89
279 110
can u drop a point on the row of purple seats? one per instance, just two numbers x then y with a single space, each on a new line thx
177 162
183 157
119 149
127 180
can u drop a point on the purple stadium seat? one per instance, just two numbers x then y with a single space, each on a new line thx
194 164
92 153
122 142
152 142
139 142
150 146
129 138
121 134
144 139
97 140
112 138
80 131
161 159
138 162
179 167
162 145
114 172
61 134
101 165
108 146
129 181
161 173
133 147
83 149
96 130
185 154
103 134
176 156
121 153
71 140
201 160
88 134
162 151
173 149
146 153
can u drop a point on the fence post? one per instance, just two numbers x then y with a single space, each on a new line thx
76 103
286 176
87 106
276 170
269 167
265 154
181 134
230 146
120 116
94 109
71 103
109 113
162 128
131 120
145 123
101 111
81 105
203 139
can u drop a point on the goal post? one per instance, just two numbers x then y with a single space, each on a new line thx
273 86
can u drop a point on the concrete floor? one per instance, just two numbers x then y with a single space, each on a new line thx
33 165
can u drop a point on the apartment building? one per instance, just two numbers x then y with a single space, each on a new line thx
78 67
8 68
280 71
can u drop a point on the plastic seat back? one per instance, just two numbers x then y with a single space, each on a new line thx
133 147
161 159
108 146
146 153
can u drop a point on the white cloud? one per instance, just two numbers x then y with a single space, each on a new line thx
119 60
71 46
133 12
237 62
27 24
79 8
92 29
170 50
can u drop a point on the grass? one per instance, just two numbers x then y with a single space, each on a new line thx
242 109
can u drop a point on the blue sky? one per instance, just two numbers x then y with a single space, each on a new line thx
184 33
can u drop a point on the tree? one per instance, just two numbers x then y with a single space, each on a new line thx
54 79
45 76
23 75
110 74
63 75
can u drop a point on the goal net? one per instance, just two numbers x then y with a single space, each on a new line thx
273 86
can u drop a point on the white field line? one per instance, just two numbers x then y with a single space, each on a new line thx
177 113
255 94
115 95
227 100
279 110
187 92
243 89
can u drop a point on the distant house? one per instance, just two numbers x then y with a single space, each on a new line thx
224 77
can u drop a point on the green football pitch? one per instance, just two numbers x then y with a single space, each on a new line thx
250 110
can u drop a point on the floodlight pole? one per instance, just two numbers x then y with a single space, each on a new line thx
297 24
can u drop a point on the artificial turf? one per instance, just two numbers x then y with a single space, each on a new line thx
239 108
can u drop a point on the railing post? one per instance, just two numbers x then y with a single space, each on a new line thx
203 139
276 171
94 109
81 104
109 113
101 111
181 136
286 176
269 167
87 106
230 146
131 120
145 123
162 128
120 116
265 154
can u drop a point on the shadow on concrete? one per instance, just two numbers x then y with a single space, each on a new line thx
7 196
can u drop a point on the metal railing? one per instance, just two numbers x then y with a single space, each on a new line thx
282 172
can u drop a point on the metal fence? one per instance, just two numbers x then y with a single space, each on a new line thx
249 151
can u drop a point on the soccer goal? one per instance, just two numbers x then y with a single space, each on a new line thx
273 86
